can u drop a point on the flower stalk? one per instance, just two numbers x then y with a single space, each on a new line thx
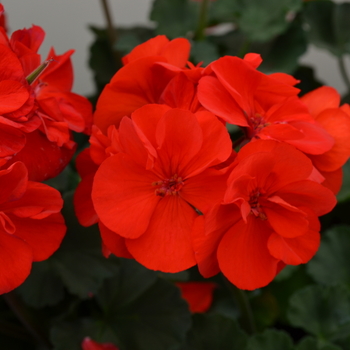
241 298
202 22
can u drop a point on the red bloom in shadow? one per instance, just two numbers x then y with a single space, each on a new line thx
89 344
199 295
268 218
31 227
149 194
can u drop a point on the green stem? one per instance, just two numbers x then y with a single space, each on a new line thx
202 22
26 318
343 72
240 296
111 31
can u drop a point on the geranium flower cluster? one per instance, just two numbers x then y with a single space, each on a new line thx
38 112
170 189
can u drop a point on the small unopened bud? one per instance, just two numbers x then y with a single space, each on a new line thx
37 72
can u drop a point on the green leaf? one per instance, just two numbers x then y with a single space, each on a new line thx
331 265
43 287
143 310
344 193
223 11
79 261
321 311
216 332
175 18
285 51
128 38
204 51
126 286
270 339
311 343
307 79
69 335
328 25
263 20
103 61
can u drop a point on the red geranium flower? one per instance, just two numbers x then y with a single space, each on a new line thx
89 344
3 18
31 227
38 111
265 106
268 218
323 105
154 72
199 295
149 194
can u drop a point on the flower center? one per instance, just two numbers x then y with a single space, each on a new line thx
257 123
168 187
255 206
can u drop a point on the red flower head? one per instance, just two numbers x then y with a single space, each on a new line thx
323 104
148 195
3 18
199 295
89 344
268 218
31 227
266 107
154 72
38 111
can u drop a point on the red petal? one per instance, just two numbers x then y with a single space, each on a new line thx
12 141
12 96
133 146
285 219
123 195
134 85
316 140
15 260
43 159
239 78
216 147
308 194
14 182
243 255
337 124
294 251
333 180
84 163
179 138
83 206
10 66
215 223
44 236
320 99
204 190
89 344
167 243
175 51
199 295
214 97
39 201
59 73
114 242
145 120
290 165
